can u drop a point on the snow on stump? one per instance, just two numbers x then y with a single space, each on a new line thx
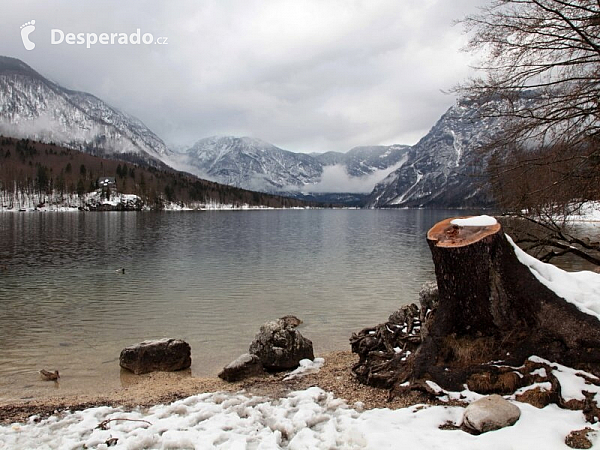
246 365
490 413
279 346
165 355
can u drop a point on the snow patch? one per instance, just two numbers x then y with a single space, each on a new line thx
541 372
579 288
306 368
400 198
309 419
572 382
475 221
587 212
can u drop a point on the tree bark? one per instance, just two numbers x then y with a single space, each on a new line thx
491 314
492 308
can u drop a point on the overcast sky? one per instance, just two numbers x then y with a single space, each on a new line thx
305 75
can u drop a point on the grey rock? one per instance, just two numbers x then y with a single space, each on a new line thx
279 346
244 366
166 355
291 321
490 413
428 298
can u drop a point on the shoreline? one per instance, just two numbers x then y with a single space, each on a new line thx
165 387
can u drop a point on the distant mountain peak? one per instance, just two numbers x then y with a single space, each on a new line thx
31 106
443 169
10 65
242 141
255 164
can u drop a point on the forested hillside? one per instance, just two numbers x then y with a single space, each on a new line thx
29 167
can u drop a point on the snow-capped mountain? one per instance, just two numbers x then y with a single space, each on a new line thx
251 164
443 169
254 164
32 106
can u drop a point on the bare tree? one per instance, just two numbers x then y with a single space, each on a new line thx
540 61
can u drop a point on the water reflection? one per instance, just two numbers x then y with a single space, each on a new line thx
210 278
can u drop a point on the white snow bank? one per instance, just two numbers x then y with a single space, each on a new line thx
572 382
475 221
306 367
580 288
588 212
309 419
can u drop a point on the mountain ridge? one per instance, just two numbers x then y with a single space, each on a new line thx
444 169
32 106
441 170
256 164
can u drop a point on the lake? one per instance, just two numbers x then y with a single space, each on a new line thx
210 278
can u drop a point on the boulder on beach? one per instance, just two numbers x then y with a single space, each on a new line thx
279 346
490 413
291 321
246 365
165 355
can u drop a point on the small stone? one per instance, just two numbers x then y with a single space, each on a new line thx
244 366
490 413
166 355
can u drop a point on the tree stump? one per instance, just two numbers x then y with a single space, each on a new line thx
492 310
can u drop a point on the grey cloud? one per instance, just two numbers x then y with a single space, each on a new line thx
315 75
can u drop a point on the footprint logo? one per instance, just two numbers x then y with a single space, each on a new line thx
26 30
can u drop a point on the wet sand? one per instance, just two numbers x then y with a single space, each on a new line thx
162 387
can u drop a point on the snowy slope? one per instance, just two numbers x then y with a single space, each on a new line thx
361 161
443 169
250 163
33 107
255 164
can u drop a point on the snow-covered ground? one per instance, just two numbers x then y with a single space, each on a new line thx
56 202
589 212
28 202
308 419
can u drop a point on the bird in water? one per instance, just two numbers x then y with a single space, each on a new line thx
49 376
121 270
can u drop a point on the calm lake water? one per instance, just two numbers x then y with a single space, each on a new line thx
210 278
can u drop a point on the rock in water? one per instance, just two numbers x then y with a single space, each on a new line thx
279 346
166 355
246 365
490 413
